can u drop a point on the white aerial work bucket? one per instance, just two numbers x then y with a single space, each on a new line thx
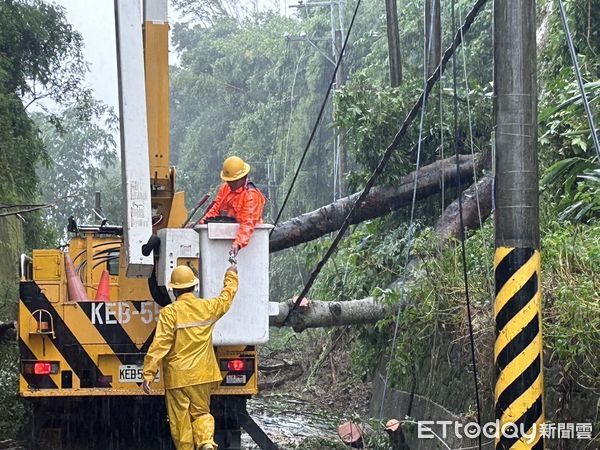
247 322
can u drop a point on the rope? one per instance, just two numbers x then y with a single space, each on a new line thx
319 116
462 236
584 99
390 149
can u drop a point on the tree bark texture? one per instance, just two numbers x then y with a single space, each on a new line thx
433 33
393 34
368 310
380 201
448 225
331 314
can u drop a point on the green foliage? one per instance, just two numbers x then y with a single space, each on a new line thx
262 92
433 336
13 413
571 311
370 113
81 147
567 154
372 256
40 58
40 52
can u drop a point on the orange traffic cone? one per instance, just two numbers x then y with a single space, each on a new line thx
74 285
103 292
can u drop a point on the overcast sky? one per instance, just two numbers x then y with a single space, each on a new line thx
94 19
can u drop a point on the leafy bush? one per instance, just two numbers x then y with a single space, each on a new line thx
14 410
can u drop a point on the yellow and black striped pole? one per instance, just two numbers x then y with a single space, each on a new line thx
518 349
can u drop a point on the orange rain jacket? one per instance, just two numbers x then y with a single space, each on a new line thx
245 205
183 339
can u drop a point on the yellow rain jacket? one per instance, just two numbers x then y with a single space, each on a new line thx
183 339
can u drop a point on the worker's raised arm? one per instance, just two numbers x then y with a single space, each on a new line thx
221 304
215 208
249 216
162 343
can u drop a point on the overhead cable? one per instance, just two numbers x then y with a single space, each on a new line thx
584 99
462 236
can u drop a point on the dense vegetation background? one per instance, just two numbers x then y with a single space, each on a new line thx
242 87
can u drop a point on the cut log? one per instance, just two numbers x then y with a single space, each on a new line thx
393 428
380 201
331 314
350 434
368 310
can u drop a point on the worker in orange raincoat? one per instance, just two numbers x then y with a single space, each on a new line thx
183 342
238 198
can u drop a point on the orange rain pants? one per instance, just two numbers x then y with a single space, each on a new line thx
189 416
245 205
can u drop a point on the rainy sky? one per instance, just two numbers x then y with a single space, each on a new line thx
98 30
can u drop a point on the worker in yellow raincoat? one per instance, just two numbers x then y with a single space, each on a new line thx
183 342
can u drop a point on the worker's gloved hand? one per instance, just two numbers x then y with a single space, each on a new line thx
232 268
146 386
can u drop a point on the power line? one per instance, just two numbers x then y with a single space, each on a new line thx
586 105
462 230
281 95
390 149
319 116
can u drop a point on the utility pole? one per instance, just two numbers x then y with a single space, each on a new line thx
518 349
340 157
433 33
393 34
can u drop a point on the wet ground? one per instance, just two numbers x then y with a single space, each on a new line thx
290 420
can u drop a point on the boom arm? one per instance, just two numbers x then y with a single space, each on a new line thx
137 212
167 204
156 66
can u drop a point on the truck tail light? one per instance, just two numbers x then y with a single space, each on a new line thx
40 367
236 365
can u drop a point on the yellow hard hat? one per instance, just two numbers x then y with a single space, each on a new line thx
234 168
182 277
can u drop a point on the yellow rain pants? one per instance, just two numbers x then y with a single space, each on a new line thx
189 416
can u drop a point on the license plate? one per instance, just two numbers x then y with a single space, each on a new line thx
130 373
235 379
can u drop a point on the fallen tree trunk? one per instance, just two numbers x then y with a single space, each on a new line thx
331 314
368 310
448 226
380 201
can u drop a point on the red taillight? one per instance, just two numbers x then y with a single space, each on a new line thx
42 368
236 365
